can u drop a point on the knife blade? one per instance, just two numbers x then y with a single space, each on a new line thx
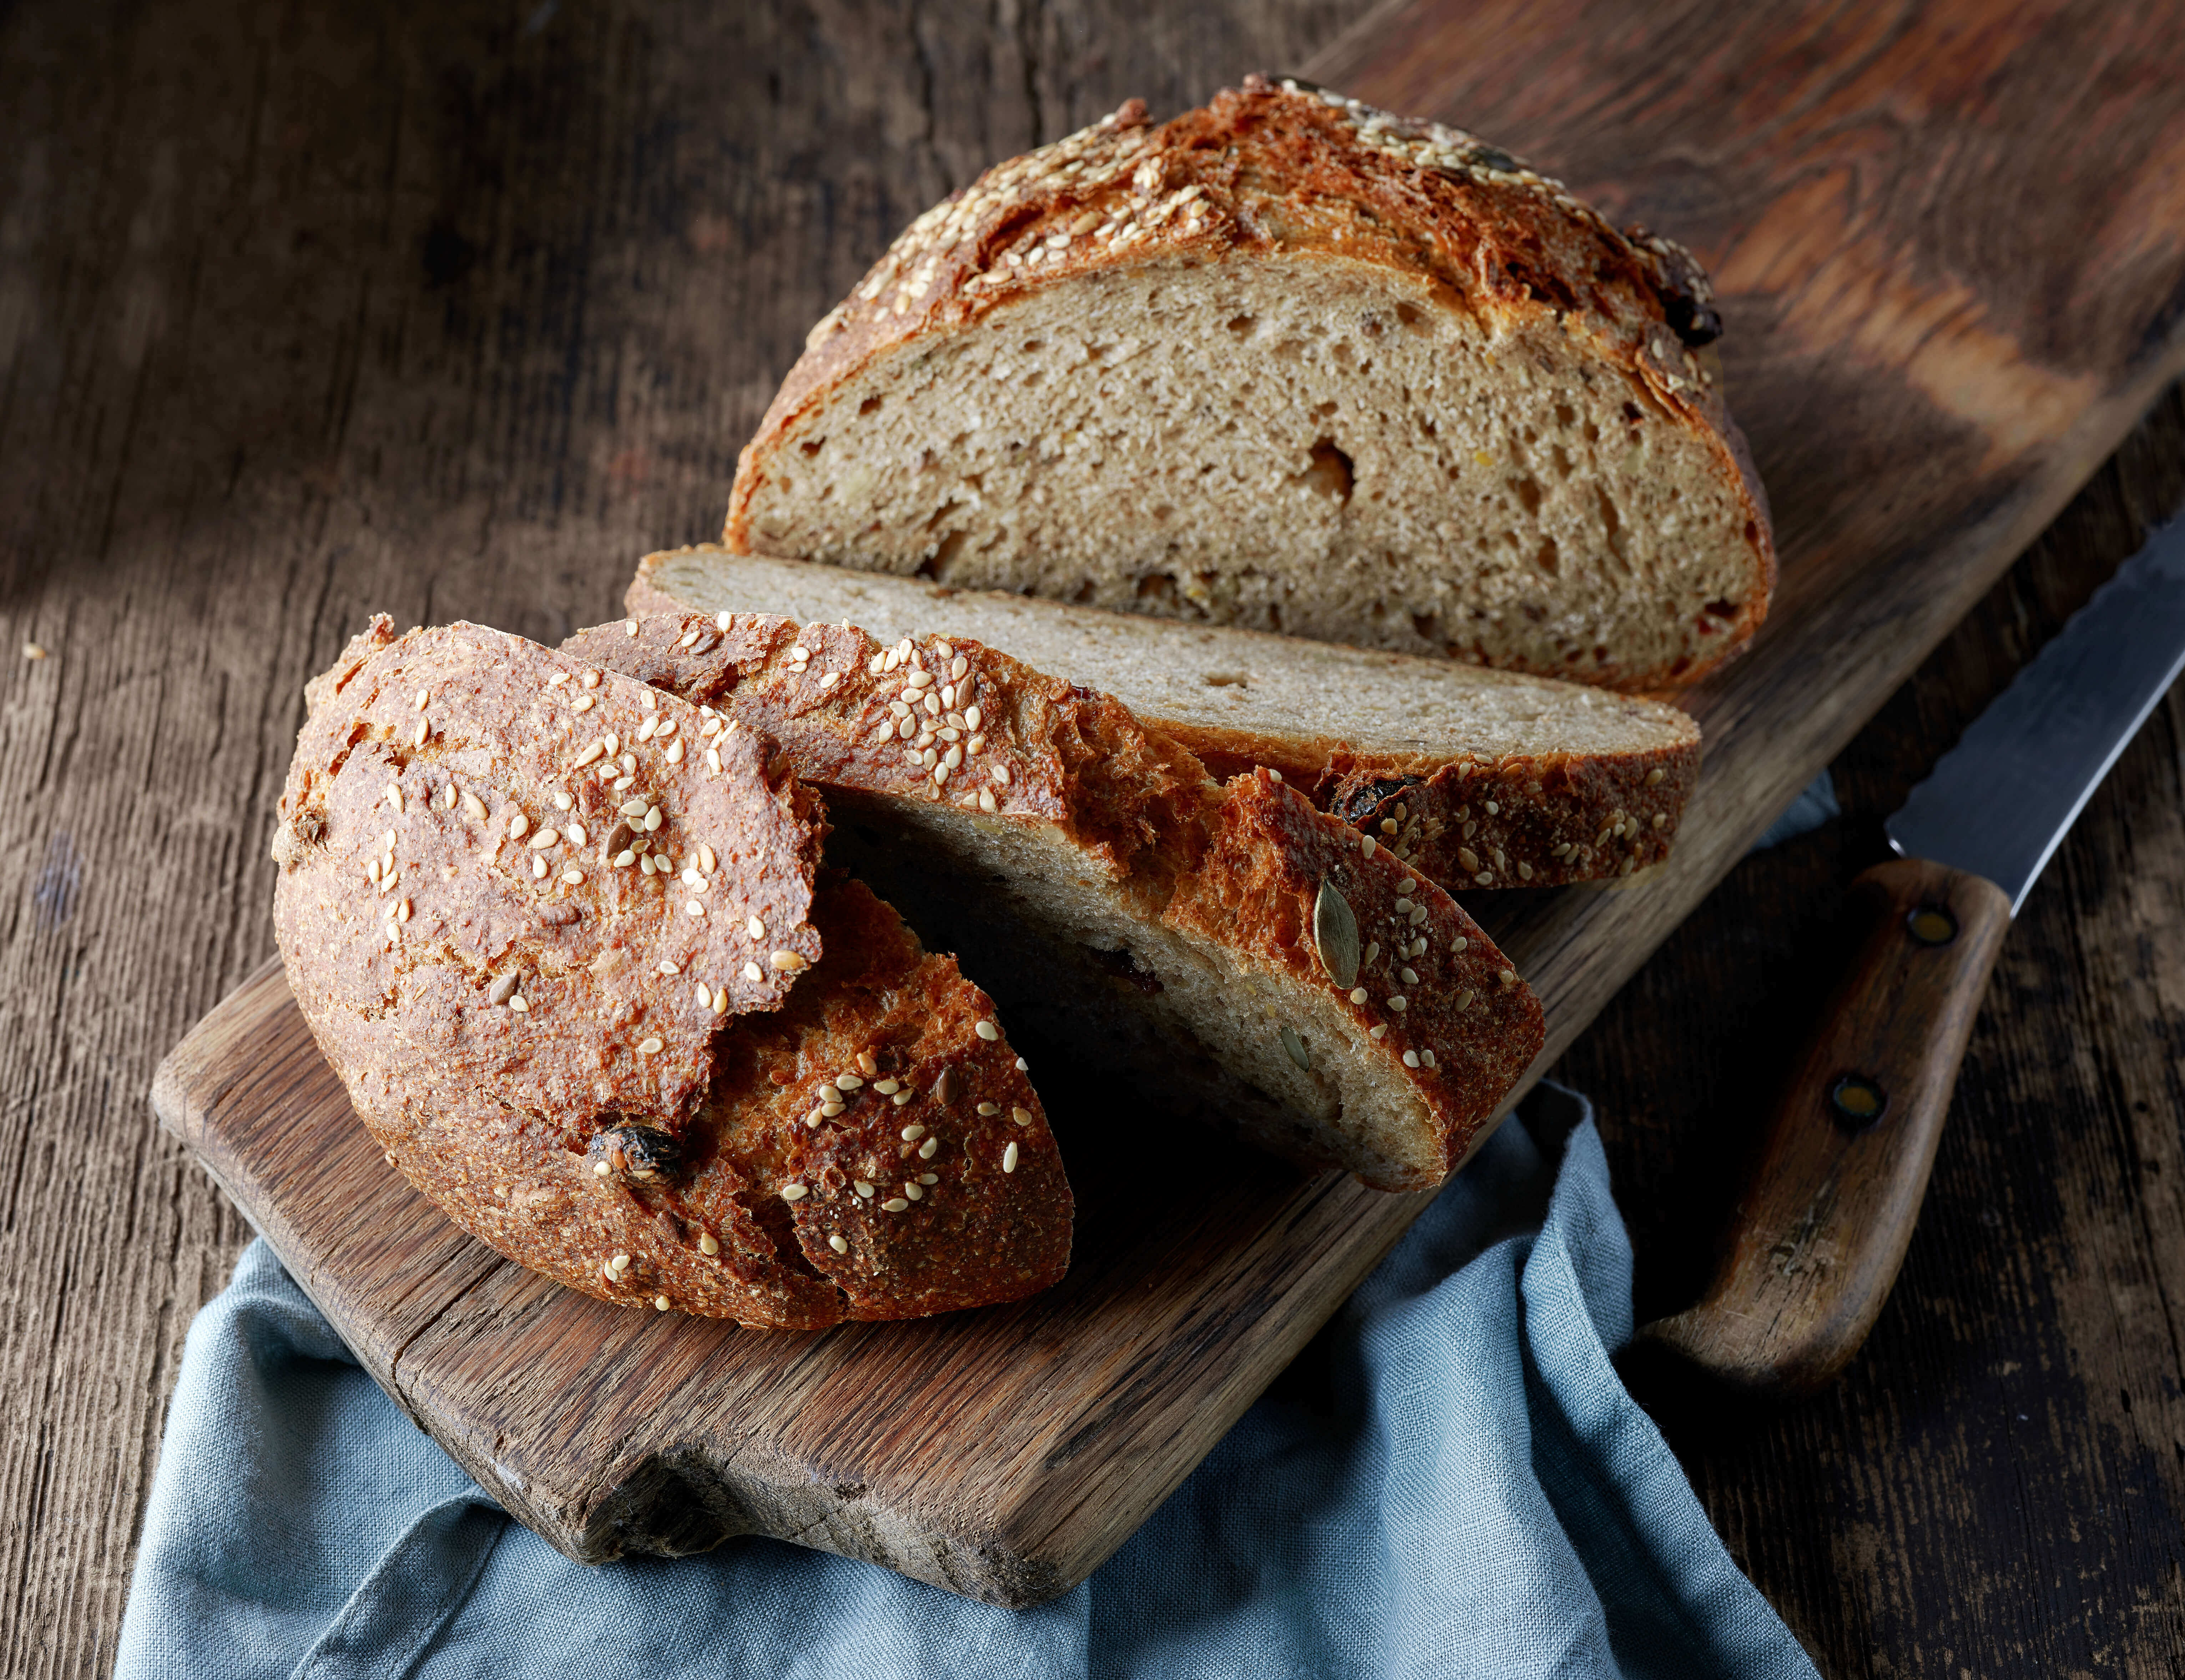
1821 1228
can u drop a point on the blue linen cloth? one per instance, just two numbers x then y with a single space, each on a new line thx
1483 1497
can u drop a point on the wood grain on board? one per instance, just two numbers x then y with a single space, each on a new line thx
308 311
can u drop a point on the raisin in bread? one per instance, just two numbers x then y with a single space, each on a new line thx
1290 363
725 1085
1476 778
1233 950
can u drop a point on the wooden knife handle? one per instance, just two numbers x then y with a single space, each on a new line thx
1822 1225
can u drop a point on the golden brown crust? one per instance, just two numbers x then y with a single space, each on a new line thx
1557 817
1228 862
1004 739
1431 988
575 1067
1294 170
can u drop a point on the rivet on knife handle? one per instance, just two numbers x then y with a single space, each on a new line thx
1824 1221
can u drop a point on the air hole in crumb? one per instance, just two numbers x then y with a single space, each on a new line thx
1241 324
1162 514
1528 494
1218 679
1289 349
1032 347
1330 474
936 566
870 406
1631 412
1158 586
1323 411
813 447
1410 314
1752 531
1723 609
1566 415
1549 558
1427 625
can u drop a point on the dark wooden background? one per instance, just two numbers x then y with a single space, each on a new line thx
452 309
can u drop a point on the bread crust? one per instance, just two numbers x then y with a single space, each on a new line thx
1467 821
1220 863
1294 170
531 1050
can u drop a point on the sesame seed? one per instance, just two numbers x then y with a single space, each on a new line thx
32 650
886 1087
694 908
756 928
1493 808
582 703
669 968
990 1107
705 996
847 1082
925 1150
836 1243
1376 1033
1655 777
708 1243
1507 977
867 1064
1368 844
794 1192
619 1263
1524 871
518 826
660 1303
674 753
987 1030
1010 1159
912 1191
1407 976
863 1188
752 972
601 1169
624 858
1427 1057
788 962
902 1098
1460 945
574 878
542 839
538 868
973 717
1398 1002
653 821
1463 999
1403 906
651 1046
1410 1058
475 806
424 728
895 1204
630 627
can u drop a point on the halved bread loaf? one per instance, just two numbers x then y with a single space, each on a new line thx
1476 778
1229 947
1290 363
721 1084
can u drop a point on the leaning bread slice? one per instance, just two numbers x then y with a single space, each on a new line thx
1477 778
593 1003
1229 947
1294 364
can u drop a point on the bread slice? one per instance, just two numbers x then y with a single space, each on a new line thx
724 1084
1290 363
1475 777
1234 951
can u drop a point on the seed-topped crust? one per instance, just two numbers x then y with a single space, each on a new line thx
1470 815
1194 917
1292 169
605 1084
1432 992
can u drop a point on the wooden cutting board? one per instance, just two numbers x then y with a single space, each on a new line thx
1952 250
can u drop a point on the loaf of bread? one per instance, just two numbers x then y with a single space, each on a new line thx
1474 777
1226 946
580 972
1289 363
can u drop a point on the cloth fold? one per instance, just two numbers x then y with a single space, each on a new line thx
1474 1494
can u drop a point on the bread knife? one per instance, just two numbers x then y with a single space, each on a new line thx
1822 1224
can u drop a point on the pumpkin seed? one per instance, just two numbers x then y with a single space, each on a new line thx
1335 934
1299 1053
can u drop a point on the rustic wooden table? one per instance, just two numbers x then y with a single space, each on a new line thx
453 309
